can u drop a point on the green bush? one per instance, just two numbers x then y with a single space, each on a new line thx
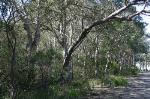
134 70
73 93
73 90
130 71
114 67
118 81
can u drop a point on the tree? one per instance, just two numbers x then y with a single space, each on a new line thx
46 43
109 18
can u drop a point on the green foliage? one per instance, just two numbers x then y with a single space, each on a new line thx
3 89
135 71
130 71
139 46
118 81
71 91
114 67
40 76
44 57
82 84
34 94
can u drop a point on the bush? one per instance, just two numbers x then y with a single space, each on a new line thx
73 93
118 81
134 71
130 71
54 92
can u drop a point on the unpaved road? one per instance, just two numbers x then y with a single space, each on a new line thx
138 88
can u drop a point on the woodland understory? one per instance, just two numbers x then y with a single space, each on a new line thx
61 49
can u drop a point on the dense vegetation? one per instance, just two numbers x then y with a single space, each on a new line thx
60 49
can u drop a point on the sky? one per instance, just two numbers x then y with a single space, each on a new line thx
145 19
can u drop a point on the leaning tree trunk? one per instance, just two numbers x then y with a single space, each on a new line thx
86 31
67 67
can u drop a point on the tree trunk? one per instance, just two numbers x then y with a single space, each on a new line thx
68 67
96 57
11 37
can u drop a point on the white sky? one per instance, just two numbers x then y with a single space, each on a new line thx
145 19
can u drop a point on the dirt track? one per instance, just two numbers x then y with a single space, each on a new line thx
138 88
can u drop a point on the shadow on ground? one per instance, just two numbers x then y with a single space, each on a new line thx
138 88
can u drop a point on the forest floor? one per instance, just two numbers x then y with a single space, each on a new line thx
137 88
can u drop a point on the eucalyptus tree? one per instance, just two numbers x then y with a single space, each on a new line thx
111 17
8 19
67 23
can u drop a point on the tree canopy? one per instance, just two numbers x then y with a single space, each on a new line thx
49 45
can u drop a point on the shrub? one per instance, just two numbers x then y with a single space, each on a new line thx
130 71
118 81
134 70
73 93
